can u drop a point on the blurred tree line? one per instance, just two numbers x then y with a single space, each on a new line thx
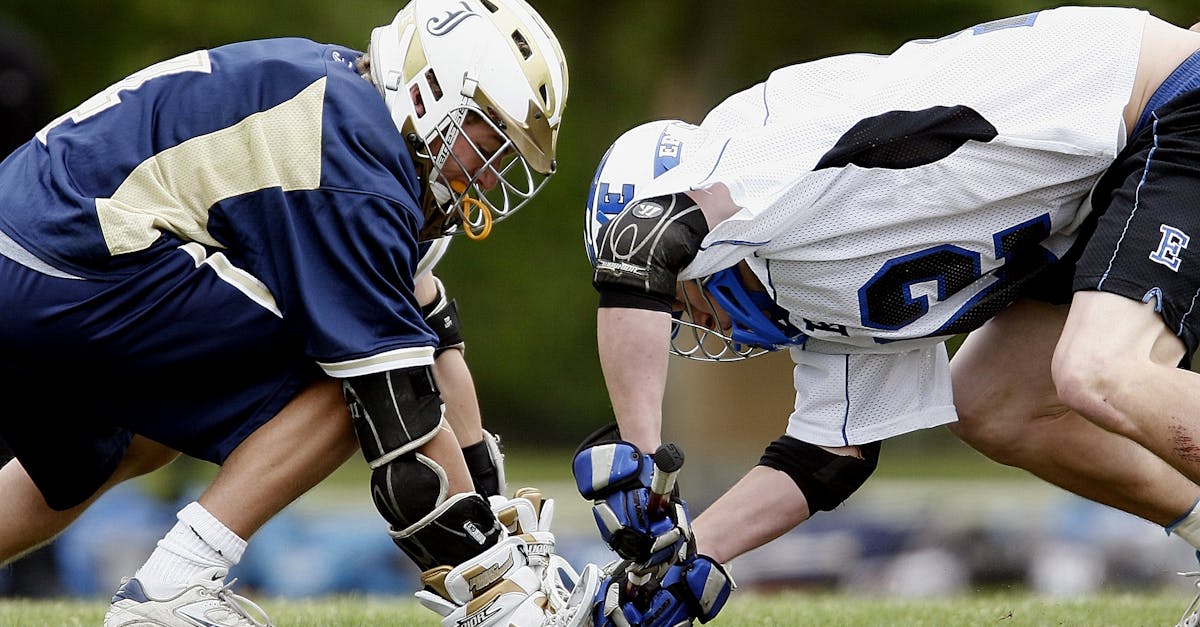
527 306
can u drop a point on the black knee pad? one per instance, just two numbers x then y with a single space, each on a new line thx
826 479
394 412
408 488
432 528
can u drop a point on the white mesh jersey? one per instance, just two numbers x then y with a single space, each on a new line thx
889 201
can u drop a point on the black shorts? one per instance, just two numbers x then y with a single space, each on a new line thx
1137 242
1142 246
171 352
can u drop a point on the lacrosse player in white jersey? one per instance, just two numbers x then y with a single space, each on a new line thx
211 252
858 211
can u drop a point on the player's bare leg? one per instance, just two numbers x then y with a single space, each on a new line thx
26 522
309 439
1009 410
306 441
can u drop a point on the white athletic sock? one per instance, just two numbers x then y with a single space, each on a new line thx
196 543
1188 526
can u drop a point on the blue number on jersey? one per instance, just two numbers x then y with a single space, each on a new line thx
886 301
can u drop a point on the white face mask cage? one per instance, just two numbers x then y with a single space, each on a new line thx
701 342
501 185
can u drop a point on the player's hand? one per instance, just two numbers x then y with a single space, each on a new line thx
695 589
616 476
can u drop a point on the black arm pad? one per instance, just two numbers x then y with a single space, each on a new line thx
442 317
641 251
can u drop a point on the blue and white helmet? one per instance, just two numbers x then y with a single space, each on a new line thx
725 319
640 155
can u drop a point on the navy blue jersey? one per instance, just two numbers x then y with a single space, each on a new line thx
273 163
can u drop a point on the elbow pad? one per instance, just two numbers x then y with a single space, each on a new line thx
640 252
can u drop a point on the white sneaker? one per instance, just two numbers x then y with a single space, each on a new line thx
207 603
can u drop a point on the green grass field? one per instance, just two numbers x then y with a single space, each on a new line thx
1003 607
799 609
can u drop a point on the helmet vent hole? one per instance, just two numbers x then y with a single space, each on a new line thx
545 94
489 6
434 86
522 45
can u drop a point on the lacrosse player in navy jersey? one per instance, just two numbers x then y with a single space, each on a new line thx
228 254
858 211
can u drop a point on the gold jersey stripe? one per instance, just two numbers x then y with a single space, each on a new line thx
173 190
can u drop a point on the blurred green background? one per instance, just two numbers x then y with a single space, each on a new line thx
525 297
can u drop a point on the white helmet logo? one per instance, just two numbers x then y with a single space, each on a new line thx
443 25
647 210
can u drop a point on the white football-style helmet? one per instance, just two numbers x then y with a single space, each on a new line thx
726 316
442 64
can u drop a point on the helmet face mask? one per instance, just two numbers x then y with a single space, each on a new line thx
729 316
482 178
458 76
700 327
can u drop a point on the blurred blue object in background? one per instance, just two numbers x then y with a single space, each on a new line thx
304 553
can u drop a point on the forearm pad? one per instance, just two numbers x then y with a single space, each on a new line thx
442 317
485 462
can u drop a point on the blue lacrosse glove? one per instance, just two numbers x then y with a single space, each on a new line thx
616 476
695 589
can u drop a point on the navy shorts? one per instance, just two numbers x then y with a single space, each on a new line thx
1142 246
167 350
